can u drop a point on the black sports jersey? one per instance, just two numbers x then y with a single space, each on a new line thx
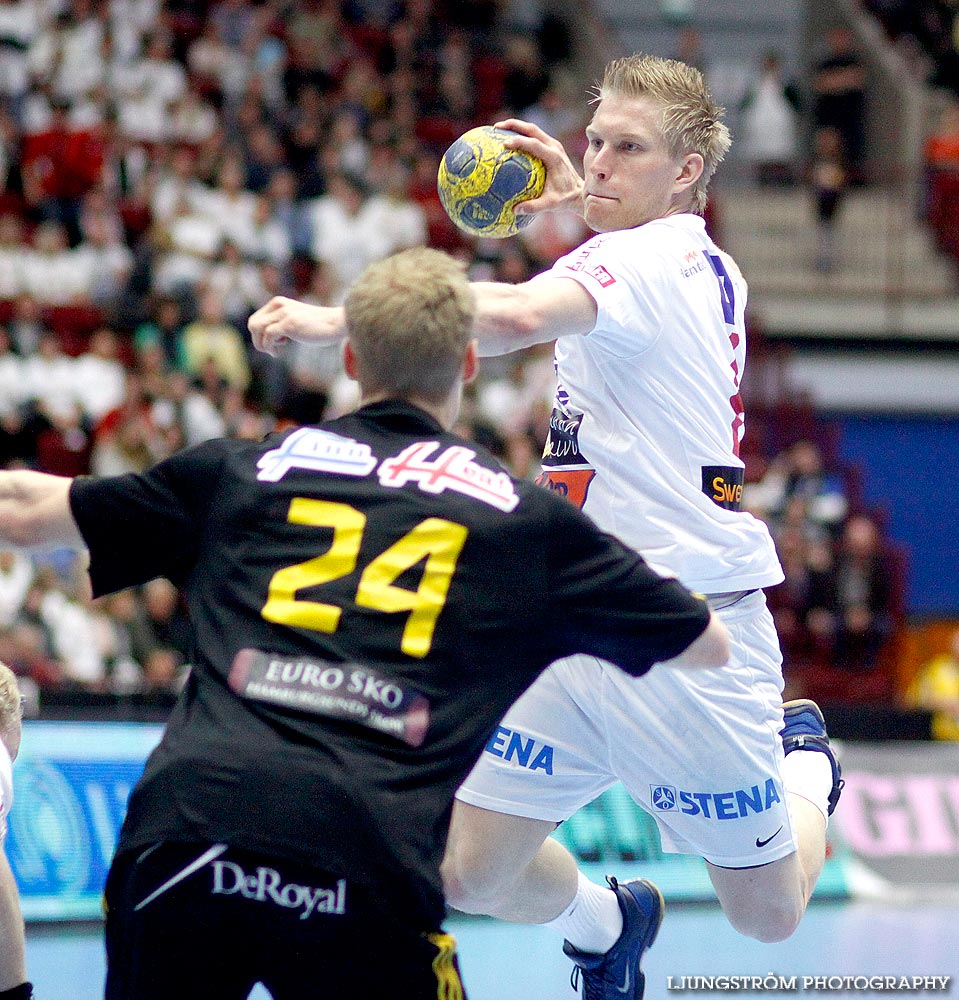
368 597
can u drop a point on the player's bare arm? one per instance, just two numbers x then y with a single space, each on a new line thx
711 649
508 317
511 317
283 319
35 511
564 186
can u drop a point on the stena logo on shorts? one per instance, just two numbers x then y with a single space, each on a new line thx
523 750
266 886
737 804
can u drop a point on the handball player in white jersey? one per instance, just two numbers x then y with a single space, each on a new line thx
650 350
13 984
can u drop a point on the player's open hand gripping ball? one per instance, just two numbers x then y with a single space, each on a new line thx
481 180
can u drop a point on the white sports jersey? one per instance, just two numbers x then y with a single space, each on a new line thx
647 423
6 788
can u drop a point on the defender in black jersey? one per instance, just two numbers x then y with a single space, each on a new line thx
368 597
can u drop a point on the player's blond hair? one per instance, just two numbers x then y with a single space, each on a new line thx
692 120
11 708
409 318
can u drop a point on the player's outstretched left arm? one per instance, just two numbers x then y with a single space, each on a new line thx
511 317
282 320
564 186
35 511
508 317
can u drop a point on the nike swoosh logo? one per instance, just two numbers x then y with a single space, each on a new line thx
763 843
625 987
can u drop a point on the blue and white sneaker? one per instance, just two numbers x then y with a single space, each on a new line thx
804 728
615 975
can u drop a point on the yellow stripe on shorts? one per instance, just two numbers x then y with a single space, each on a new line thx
449 986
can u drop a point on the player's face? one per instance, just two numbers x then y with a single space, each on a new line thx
631 176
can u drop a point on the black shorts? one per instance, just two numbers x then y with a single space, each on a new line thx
207 922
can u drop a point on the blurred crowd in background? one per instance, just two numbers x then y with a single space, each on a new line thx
166 167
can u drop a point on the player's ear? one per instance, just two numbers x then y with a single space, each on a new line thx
349 360
470 363
690 170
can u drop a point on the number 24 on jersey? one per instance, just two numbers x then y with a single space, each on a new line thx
437 541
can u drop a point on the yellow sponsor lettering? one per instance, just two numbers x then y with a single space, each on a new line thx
724 492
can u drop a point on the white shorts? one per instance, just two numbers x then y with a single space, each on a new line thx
699 750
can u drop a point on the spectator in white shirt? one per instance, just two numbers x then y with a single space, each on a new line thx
267 238
100 376
192 409
193 119
49 379
347 229
20 26
107 262
352 151
148 89
218 66
130 22
16 575
52 274
175 183
239 283
228 202
74 638
69 53
187 242
402 220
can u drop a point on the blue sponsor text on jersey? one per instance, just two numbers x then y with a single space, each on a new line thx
737 804
524 750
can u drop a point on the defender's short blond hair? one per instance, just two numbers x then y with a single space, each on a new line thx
11 709
409 318
692 120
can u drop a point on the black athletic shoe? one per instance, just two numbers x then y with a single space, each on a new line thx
615 975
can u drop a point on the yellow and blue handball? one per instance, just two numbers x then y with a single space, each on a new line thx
481 181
